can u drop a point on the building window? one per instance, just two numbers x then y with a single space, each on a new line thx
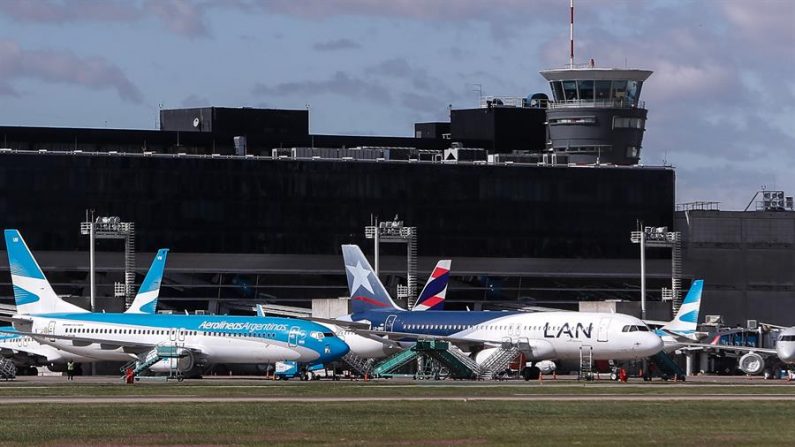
622 122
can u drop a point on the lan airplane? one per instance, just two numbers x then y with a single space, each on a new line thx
373 347
27 352
199 339
541 336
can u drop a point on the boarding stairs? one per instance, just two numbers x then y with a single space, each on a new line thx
586 363
459 366
358 364
497 362
160 352
666 366
389 365
7 369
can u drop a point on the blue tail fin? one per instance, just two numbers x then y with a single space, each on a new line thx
435 290
367 292
686 320
145 301
32 292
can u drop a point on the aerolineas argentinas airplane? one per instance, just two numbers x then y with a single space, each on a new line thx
199 339
27 352
541 336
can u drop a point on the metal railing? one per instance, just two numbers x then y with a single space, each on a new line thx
597 103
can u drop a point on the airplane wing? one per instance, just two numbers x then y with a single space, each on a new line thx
766 351
463 343
129 346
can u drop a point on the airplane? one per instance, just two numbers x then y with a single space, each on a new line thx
374 347
682 330
27 352
754 360
540 336
197 339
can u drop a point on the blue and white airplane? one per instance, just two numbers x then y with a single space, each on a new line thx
541 336
681 331
27 352
199 339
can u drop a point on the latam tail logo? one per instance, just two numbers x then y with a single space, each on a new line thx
360 277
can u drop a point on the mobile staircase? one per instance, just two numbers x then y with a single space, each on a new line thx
666 366
458 365
8 370
498 362
388 366
586 363
358 364
137 368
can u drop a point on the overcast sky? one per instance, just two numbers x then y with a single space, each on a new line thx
721 100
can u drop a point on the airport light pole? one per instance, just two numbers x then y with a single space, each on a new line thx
660 237
111 228
395 231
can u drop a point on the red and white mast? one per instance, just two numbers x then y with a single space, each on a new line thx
571 33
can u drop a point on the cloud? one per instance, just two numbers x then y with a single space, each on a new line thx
62 67
340 83
195 101
338 44
183 17
180 16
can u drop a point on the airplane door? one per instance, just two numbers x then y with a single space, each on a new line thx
172 334
601 333
292 338
390 321
181 335
51 329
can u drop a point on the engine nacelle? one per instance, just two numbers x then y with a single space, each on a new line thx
751 363
184 363
546 366
483 354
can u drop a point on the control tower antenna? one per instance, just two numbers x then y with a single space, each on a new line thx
571 33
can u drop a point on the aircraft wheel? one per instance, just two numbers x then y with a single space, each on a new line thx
531 373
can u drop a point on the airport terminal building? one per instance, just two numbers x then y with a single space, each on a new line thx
533 199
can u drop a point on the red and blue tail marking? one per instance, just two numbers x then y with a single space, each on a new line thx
433 294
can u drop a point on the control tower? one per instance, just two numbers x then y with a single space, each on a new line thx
597 115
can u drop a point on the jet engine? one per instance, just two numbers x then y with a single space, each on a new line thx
183 363
751 363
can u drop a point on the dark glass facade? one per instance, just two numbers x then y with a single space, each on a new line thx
267 206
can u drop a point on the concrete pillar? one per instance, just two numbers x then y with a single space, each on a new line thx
689 357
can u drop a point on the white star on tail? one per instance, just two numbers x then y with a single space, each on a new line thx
360 279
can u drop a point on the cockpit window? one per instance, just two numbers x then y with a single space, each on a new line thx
329 334
634 328
787 338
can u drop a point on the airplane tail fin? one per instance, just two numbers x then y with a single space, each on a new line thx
435 290
145 301
686 320
32 292
367 291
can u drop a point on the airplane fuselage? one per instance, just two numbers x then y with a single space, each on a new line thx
218 339
547 335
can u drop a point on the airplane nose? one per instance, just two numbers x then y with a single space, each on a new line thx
652 344
334 349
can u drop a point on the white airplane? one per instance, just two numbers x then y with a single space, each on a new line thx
754 360
194 339
540 336
27 352
375 347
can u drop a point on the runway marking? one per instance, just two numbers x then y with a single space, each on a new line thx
287 399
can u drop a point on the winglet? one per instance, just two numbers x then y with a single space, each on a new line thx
433 294
686 320
366 290
145 301
32 292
